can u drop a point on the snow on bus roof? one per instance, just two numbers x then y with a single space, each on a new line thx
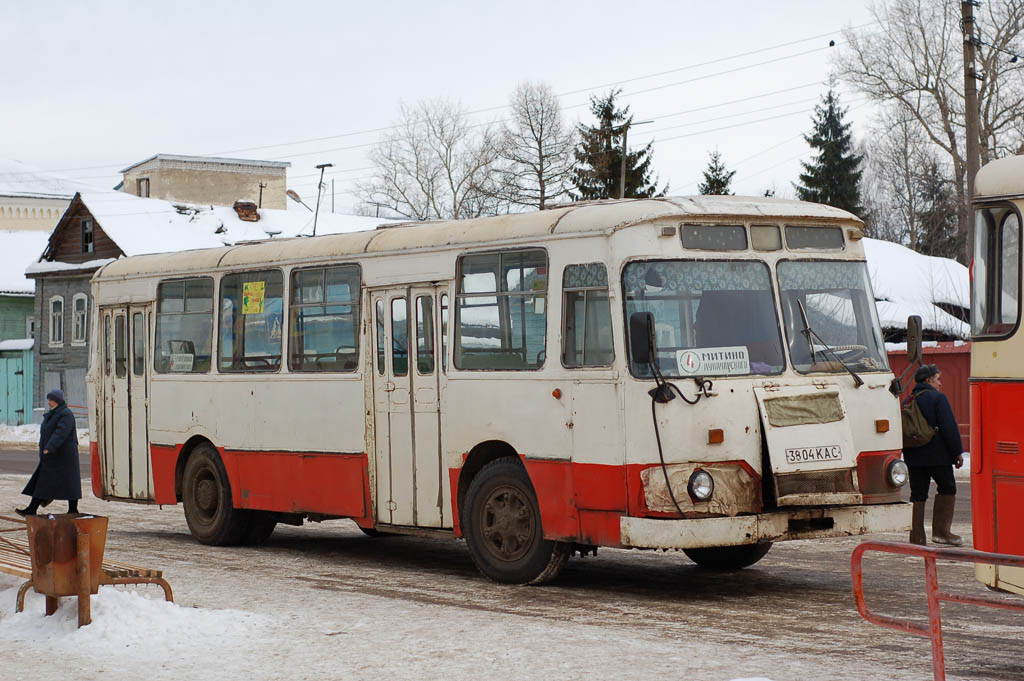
605 215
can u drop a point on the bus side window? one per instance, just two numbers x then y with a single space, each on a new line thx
251 319
444 332
183 340
425 335
380 337
106 344
120 351
323 329
399 336
501 311
586 317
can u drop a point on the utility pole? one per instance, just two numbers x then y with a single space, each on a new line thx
332 195
262 187
319 192
972 112
625 149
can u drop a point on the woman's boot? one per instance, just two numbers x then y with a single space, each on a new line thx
917 535
942 520
30 509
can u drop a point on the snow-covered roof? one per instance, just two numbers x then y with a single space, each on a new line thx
18 179
18 250
909 283
145 225
216 160
16 344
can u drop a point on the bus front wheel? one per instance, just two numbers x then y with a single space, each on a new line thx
728 557
502 527
206 495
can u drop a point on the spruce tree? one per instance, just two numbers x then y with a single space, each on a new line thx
833 177
717 179
599 156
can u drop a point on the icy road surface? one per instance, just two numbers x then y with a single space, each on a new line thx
326 602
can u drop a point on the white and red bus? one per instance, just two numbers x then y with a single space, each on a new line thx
997 370
704 374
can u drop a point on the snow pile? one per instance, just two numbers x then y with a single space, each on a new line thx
19 249
29 434
20 179
908 283
130 627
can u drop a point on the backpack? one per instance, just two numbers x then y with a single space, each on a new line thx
917 432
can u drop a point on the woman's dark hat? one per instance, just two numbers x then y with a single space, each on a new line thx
924 372
57 395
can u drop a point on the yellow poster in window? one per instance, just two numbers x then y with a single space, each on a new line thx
252 297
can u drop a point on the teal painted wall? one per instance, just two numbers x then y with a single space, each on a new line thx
13 311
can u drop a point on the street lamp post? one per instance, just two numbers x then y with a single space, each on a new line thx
319 192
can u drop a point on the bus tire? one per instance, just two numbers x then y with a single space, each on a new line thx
206 494
502 527
728 557
258 527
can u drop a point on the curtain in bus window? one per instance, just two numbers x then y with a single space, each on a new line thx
184 326
250 321
501 310
836 295
712 318
324 319
588 329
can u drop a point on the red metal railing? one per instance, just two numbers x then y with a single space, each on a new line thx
935 597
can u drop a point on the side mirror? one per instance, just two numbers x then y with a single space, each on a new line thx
913 340
643 347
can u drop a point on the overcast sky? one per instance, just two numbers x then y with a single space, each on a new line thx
91 87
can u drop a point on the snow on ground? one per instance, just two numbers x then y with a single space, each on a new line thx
29 434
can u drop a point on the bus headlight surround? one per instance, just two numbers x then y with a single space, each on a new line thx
897 473
701 485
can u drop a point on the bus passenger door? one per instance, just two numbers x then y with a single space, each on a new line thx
138 405
116 453
406 406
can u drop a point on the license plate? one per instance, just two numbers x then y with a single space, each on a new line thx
811 454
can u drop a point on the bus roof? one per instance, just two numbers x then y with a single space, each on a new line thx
593 216
1000 178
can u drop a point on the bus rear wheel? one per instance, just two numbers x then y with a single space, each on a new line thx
503 530
206 495
728 557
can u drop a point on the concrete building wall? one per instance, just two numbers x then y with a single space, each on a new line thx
30 213
209 183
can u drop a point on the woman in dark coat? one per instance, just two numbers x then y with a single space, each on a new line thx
58 474
934 460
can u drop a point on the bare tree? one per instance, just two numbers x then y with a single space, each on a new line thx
537 149
913 58
893 156
434 164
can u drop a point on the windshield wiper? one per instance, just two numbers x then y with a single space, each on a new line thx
808 332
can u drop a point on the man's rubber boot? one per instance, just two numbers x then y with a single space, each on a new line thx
942 520
917 535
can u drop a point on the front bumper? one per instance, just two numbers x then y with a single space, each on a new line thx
811 523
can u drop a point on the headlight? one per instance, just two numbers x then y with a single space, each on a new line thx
701 485
897 473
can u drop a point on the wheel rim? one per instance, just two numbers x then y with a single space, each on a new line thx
205 492
508 523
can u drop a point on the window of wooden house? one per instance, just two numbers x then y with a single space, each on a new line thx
79 318
57 320
88 245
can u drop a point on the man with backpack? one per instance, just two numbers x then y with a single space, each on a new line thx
935 458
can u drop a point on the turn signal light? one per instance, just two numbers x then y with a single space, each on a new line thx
882 426
716 436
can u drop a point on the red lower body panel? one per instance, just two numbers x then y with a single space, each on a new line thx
997 465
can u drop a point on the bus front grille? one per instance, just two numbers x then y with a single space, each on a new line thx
817 482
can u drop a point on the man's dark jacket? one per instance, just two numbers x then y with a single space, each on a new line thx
58 475
946 446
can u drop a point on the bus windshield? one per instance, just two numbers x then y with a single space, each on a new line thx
712 318
836 297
